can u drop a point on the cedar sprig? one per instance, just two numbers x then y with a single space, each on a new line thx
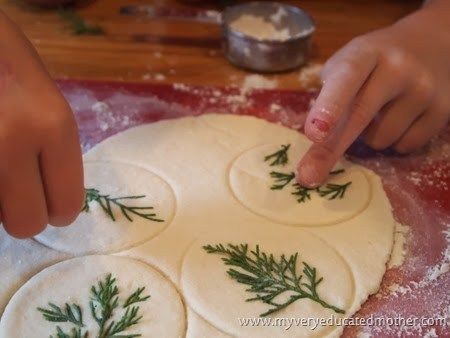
104 301
70 313
106 203
135 297
281 179
74 333
269 278
333 191
129 318
279 157
302 193
77 24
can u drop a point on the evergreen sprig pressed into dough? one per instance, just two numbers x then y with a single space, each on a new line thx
333 191
330 191
70 313
273 281
302 193
106 202
279 157
281 179
104 301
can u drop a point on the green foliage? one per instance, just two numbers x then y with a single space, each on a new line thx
279 157
104 301
269 278
74 333
106 202
281 179
302 193
135 297
70 313
333 191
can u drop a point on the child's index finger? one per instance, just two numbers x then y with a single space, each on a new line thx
343 77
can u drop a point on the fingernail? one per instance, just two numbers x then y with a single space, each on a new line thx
320 129
308 176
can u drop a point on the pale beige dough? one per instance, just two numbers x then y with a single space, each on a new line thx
185 165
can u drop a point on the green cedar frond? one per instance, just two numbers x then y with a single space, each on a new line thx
337 171
333 191
279 157
281 179
70 313
106 203
268 277
104 301
129 318
135 297
302 193
74 333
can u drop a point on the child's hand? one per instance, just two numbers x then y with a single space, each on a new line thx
392 86
41 177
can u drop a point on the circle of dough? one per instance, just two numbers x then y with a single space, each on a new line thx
222 301
70 282
251 184
94 231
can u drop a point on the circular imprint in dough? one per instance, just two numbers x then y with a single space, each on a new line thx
95 231
221 300
251 184
70 283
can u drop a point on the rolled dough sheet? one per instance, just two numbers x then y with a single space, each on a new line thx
199 172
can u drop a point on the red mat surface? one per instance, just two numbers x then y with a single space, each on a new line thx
418 186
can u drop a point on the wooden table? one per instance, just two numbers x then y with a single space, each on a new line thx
175 51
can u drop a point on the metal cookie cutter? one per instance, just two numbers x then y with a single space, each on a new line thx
265 54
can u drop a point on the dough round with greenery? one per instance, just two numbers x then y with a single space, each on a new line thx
126 205
257 278
95 296
269 189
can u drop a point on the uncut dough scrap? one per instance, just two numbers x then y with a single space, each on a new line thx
197 157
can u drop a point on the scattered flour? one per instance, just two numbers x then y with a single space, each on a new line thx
309 76
181 87
437 178
256 81
432 274
157 76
